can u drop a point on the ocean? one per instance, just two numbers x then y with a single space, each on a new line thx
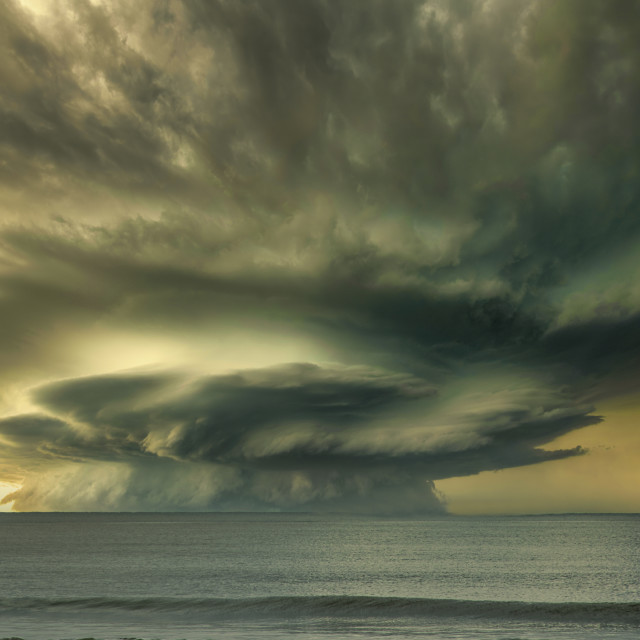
198 576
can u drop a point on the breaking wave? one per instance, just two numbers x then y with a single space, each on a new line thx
293 607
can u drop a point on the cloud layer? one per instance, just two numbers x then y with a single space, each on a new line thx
310 255
287 436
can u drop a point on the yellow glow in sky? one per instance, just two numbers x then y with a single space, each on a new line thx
607 479
37 6
6 489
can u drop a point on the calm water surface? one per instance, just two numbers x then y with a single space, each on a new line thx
199 576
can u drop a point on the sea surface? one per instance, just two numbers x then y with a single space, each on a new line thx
267 576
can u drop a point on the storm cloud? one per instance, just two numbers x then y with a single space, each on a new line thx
306 254
292 432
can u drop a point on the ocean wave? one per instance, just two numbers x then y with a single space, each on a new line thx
292 607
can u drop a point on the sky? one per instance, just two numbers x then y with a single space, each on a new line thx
357 256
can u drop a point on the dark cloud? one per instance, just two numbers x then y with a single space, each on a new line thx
30 429
447 191
213 418
341 434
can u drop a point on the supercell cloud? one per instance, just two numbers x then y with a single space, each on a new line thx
310 255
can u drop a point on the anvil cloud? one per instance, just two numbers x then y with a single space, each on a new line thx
306 254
